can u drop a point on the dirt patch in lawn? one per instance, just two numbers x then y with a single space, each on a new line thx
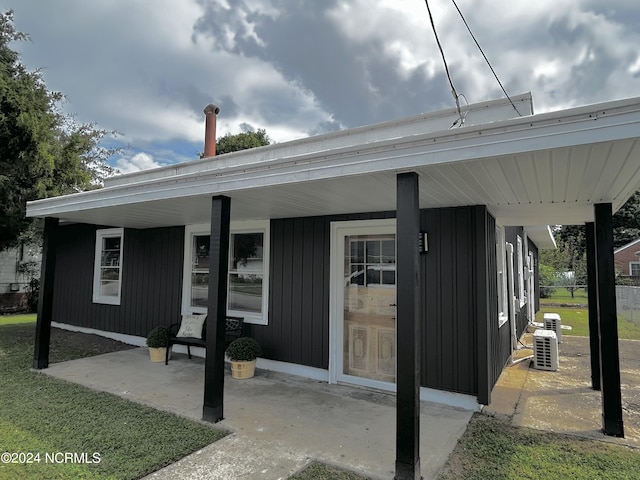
67 345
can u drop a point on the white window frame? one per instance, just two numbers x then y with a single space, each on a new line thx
97 266
501 271
248 226
631 268
520 271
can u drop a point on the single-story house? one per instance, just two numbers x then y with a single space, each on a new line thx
17 266
402 255
627 259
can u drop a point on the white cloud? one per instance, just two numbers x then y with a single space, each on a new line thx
294 68
139 161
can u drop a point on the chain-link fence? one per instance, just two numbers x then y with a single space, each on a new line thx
628 303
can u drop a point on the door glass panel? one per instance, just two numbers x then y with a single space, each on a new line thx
369 331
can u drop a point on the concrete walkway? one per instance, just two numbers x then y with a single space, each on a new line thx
563 401
279 423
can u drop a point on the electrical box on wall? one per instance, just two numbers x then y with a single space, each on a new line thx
423 243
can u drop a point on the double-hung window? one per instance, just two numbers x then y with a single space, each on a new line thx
107 267
248 277
634 269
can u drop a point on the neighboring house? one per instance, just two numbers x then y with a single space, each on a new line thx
318 285
17 266
627 259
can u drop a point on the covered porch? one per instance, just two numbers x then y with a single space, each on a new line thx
571 167
279 422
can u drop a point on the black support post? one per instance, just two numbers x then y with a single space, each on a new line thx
45 297
592 293
608 322
212 410
408 329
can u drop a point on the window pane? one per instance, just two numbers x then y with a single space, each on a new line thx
111 243
357 252
373 251
245 292
373 276
110 258
109 288
388 251
201 252
199 289
247 251
389 277
357 275
110 274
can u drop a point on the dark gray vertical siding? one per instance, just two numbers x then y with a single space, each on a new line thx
151 280
299 294
298 329
448 302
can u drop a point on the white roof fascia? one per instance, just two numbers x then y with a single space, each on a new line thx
584 125
480 113
542 237
630 244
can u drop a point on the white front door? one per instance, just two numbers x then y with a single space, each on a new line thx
363 336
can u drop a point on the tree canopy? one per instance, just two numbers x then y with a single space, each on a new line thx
571 252
242 141
43 153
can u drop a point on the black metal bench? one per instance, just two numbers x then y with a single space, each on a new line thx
233 330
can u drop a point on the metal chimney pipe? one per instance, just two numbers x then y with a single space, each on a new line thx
210 111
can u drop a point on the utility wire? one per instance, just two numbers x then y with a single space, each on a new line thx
481 51
446 68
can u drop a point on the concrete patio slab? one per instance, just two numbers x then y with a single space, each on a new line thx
563 401
279 423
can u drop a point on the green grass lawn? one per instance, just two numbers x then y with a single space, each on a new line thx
41 415
562 295
13 319
577 316
491 448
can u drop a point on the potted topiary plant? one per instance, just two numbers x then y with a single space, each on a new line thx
157 343
243 352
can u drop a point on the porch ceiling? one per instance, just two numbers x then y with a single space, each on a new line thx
536 170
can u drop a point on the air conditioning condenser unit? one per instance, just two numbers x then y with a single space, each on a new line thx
552 322
545 350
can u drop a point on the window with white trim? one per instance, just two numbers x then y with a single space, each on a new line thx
372 262
107 266
501 264
634 269
520 271
248 277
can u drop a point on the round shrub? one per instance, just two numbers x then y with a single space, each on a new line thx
243 349
158 337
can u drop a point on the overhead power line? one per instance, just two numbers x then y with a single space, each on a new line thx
446 68
456 96
482 52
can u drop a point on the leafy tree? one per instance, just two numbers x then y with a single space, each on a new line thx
571 252
626 222
43 153
242 141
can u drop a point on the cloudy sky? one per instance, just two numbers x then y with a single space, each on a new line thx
298 68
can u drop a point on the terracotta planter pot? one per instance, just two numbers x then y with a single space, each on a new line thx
243 370
157 354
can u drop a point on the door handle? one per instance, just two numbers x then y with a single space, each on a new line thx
393 305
